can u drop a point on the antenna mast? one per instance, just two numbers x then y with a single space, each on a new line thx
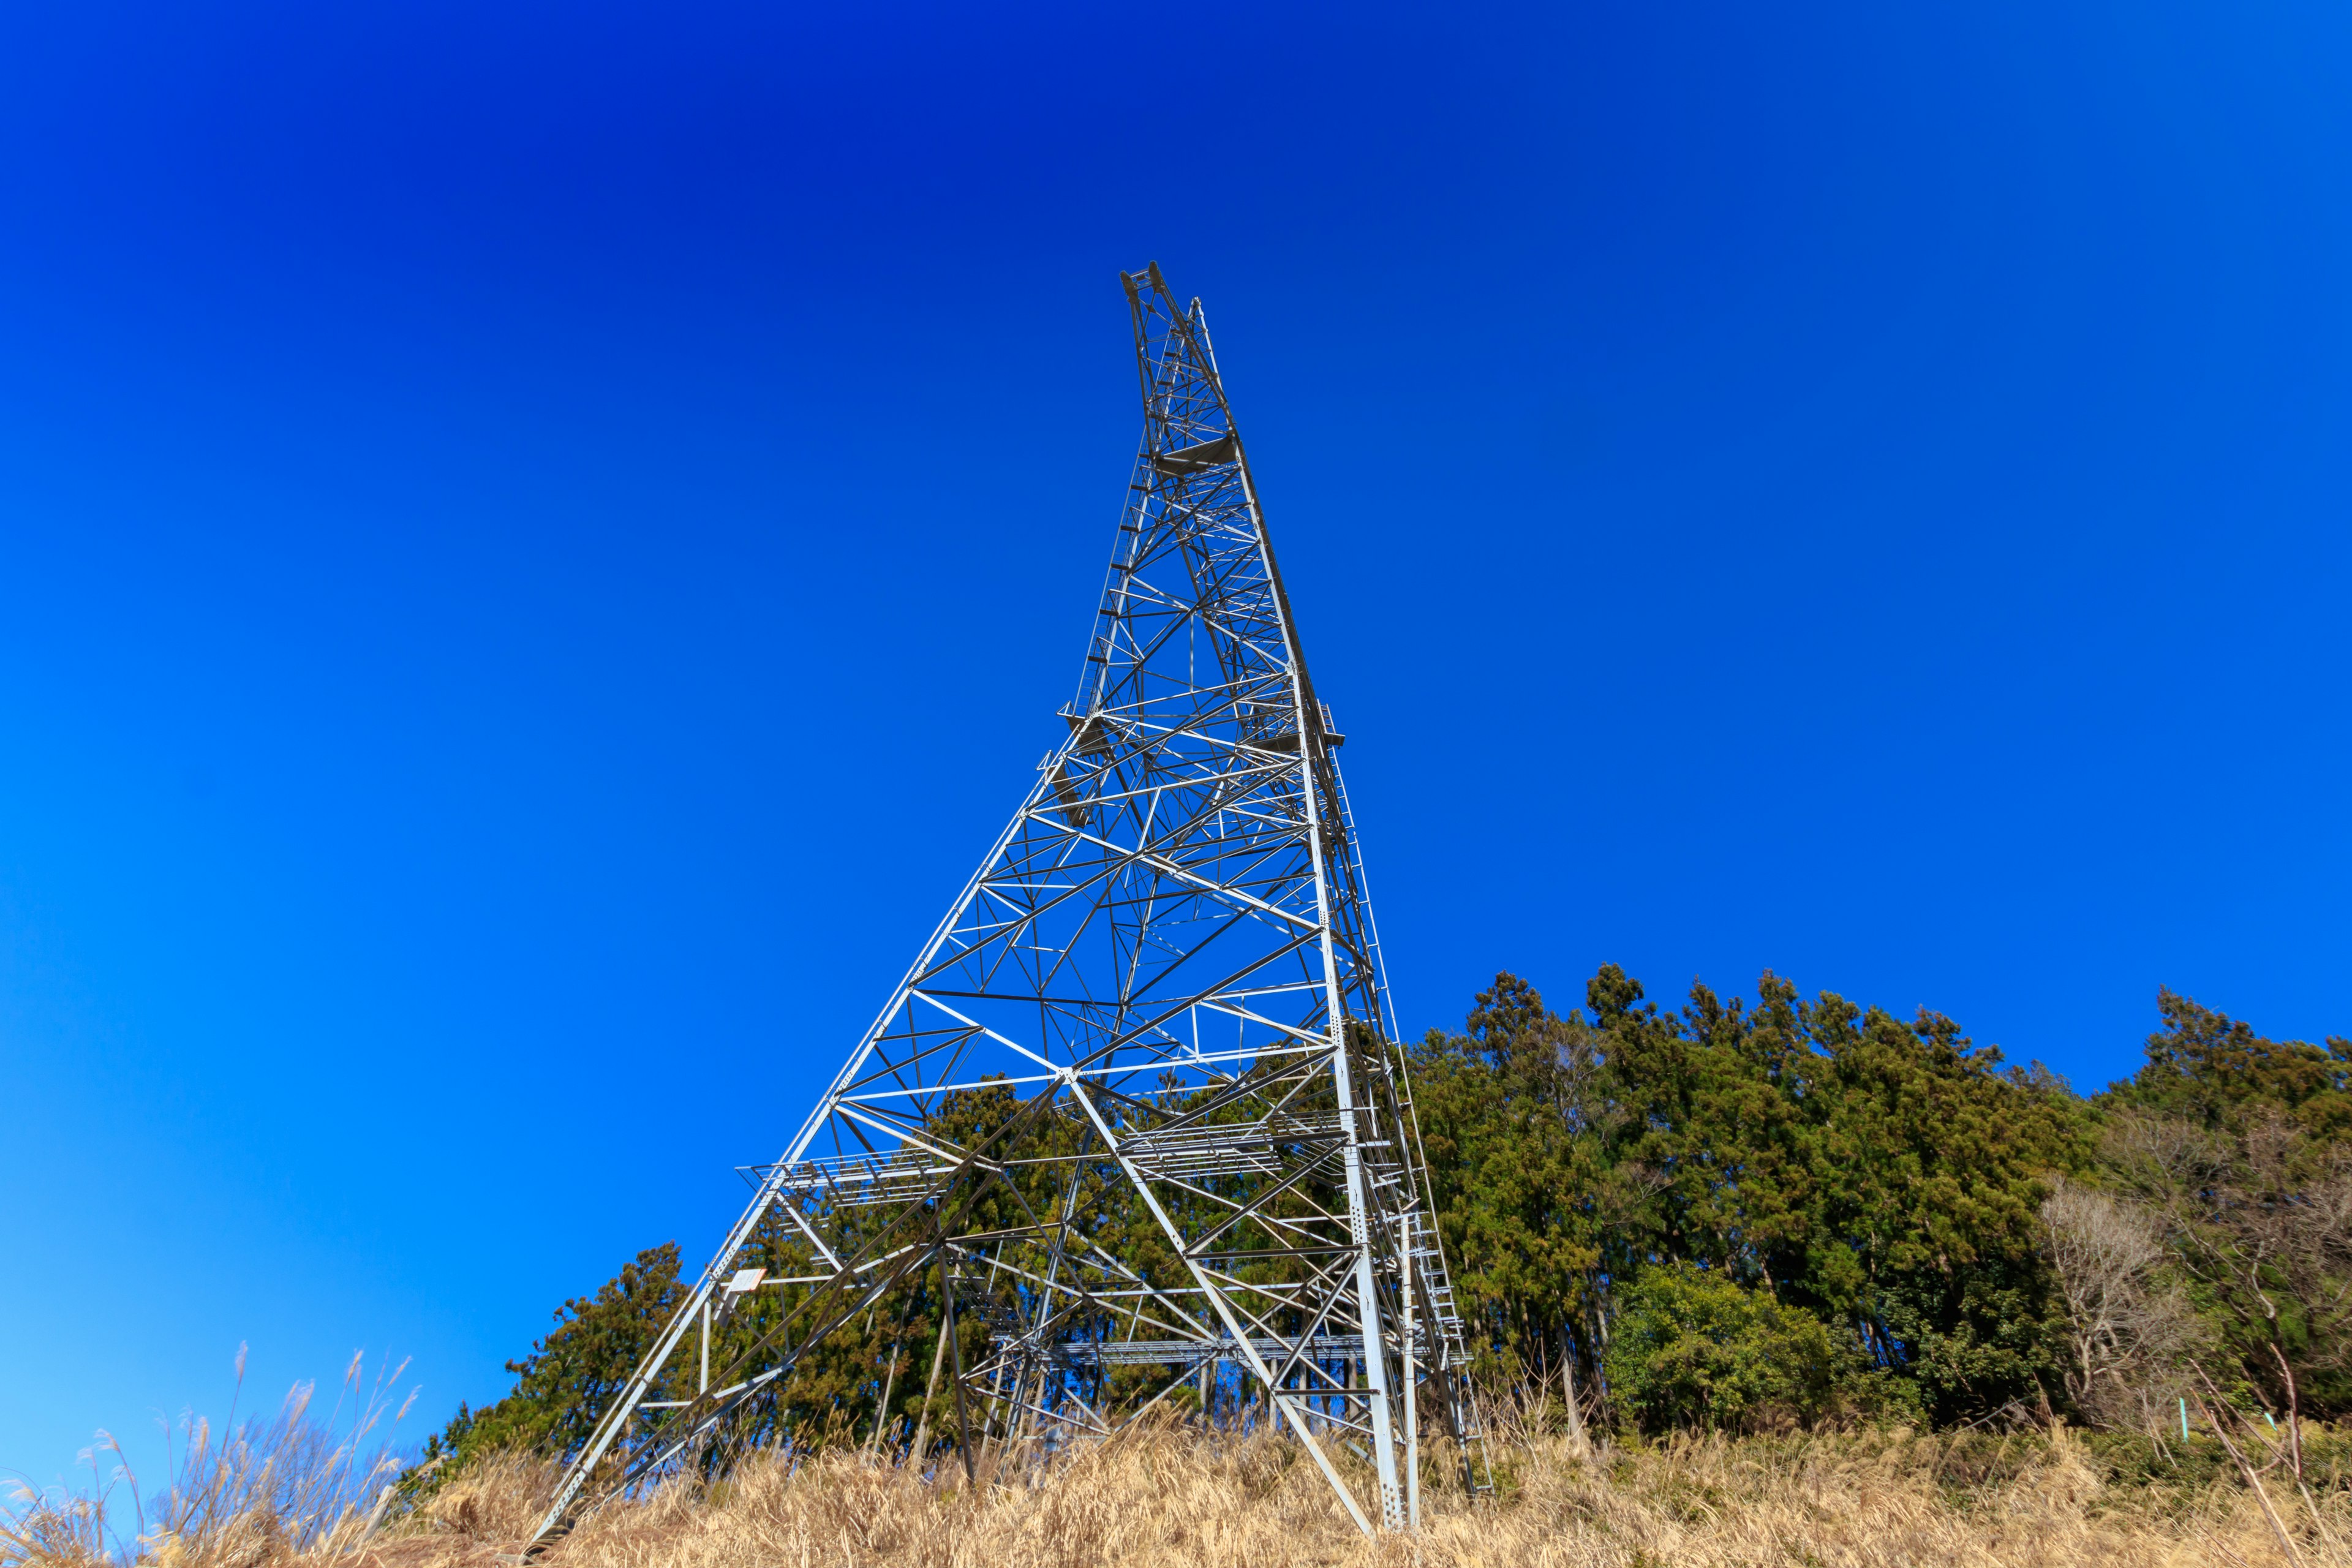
1134 1129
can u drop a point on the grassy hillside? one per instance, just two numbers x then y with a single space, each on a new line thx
1175 1497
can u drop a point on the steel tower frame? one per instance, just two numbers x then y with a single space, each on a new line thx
1166 973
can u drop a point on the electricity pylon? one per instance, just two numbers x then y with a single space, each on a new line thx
1134 1127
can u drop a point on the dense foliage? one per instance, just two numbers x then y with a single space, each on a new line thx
1976 1239
1883 1176
1730 1217
571 1374
1693 1349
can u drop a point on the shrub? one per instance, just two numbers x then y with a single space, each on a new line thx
1694 1350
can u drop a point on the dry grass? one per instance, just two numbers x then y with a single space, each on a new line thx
302 1485
1175 1496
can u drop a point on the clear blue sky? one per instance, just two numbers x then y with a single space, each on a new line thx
539 542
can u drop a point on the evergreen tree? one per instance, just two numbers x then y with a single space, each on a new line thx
1727 1214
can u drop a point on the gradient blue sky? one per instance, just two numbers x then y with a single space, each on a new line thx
539 542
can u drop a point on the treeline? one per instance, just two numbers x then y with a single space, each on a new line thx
1724 1215
1736 1216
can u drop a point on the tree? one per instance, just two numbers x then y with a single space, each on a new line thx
1521 1199
2129 1328
2239 1148
1693 1349
2212 1069
2258 1222
1936 1161
568 1377
1884 1176
1668 1210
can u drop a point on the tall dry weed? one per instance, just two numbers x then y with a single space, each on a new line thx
1180 1498
301 1484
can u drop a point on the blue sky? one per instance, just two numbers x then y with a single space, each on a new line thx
539 544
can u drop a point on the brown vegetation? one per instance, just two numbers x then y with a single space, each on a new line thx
1179 1496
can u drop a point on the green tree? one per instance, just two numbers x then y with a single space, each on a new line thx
1884 1176
1521 1197
1936 1165
1693 1349
2212 1069
2240 1148
570 1375
1654 1208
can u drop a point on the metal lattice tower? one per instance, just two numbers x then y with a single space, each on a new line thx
1134 1123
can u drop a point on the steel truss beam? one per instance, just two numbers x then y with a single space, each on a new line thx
1136 1103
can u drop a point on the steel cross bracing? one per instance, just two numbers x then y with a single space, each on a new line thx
1133 1124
